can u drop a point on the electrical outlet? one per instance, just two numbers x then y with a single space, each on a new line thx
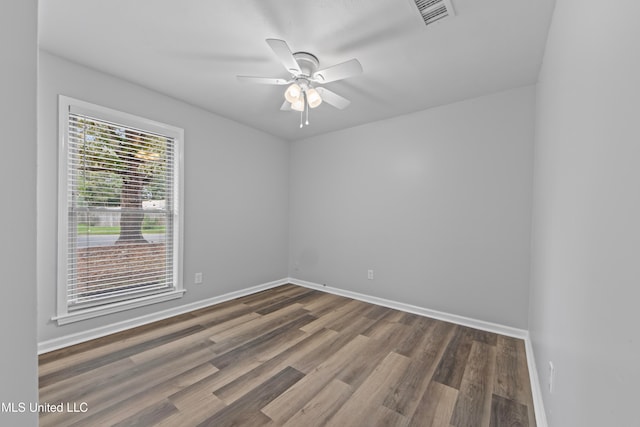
370 274
198 278
552 374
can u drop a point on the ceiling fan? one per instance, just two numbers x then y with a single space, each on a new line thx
305 90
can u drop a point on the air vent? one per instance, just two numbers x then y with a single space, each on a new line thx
434 10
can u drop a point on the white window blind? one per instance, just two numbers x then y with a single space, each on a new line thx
121 237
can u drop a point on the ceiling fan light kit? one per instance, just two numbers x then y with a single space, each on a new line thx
298 104
293 92
301 94
313 98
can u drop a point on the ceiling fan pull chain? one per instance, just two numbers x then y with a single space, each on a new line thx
307 105
300 119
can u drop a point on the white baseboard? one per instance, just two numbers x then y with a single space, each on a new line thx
67 340
536 391
453 318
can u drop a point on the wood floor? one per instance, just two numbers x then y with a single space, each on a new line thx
291 356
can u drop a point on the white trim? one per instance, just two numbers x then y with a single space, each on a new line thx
67 340
100 112
536 391
62 208
453 318
101 310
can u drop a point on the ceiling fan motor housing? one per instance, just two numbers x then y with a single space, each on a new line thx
308 63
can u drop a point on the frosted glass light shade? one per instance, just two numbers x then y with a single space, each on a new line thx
292 93
298 104
313 98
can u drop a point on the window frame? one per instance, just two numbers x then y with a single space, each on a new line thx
66 105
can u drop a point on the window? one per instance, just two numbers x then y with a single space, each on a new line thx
120 211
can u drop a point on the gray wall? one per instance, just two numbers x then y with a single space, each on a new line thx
437 203
19 368
585 270
236 191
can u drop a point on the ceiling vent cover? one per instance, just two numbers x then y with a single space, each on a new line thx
434 10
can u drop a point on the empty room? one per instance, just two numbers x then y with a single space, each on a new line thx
320 213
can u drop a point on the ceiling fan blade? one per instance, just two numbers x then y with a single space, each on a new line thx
282 51
333 98
262 80
338 72
286 106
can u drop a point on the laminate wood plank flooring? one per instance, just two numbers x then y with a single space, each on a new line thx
291 356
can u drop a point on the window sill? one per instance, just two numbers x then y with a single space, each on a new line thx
89 313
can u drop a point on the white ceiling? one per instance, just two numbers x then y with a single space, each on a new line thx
193 49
